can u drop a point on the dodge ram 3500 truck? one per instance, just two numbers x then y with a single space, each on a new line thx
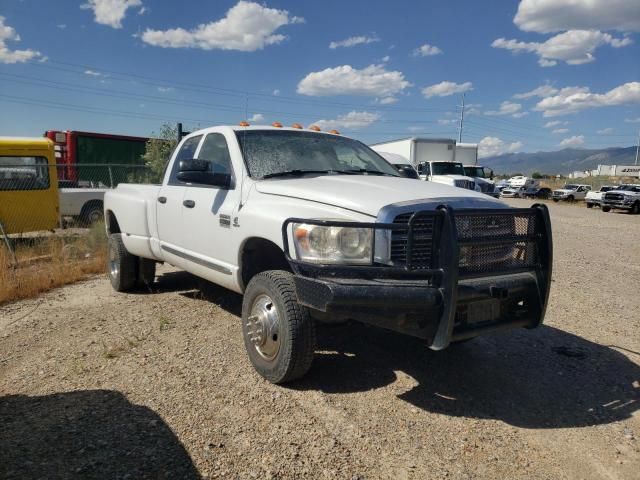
313 226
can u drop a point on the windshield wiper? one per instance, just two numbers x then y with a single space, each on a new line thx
295 173
364 170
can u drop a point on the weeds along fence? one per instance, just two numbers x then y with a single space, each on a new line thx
51 222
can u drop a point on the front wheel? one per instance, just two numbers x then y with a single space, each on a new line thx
589 205
279 334
635 210
606 209
570 199
556 200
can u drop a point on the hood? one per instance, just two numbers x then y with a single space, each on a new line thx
453 177
367 194
563 190
483 180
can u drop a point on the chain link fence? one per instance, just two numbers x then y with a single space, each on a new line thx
51 221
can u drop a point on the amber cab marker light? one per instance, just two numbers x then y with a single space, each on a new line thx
335 132
296 125
276 124
315 128
244 124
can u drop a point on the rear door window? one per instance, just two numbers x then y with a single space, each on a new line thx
187 152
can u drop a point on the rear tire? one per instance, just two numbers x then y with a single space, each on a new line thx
606 209
279 334
146 272
570 199
589 205
92 213
121 265
635 209
556 200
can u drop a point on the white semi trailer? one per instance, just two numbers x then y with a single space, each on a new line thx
433 158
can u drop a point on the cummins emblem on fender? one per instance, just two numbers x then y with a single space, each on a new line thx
225 221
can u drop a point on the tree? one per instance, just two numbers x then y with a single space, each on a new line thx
537 175
158 151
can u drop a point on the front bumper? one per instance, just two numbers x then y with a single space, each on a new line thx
445 303
619 205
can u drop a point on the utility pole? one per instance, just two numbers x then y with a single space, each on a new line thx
637 148
462 121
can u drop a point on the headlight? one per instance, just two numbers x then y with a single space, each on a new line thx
628 200
333 245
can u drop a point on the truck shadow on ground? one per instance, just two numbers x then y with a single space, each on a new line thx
87 434
545 378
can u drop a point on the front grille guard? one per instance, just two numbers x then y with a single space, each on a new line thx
445 272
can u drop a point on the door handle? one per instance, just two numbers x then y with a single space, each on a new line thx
162 199
189 203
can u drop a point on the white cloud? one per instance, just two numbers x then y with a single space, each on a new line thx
256 117
386 100
574 47
555 123
426 50
506 108
574 141
247 27
415 129
110 12
472 109
93 73
520 114
275 92
632 120
446 121
560 130
545 16
445 89
542 91
165 89
490 146
352 120
573 99
386 58
605 131
8 33
374 81
61 26
353 41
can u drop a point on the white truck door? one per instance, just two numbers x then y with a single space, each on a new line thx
208 217
169 206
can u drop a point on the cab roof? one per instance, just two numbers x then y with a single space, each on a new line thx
26 141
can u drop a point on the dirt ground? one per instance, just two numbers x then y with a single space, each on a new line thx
97 384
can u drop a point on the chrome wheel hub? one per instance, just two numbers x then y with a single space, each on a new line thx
114 265
263 327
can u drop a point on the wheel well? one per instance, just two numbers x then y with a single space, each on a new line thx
112 223
259 255
90 204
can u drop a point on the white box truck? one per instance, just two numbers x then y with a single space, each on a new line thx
467 153
433 158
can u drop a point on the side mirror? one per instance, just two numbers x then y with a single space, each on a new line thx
197 171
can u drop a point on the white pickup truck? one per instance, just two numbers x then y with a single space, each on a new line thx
571 192
625 197
316 227
593 198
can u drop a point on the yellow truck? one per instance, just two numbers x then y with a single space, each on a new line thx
28 185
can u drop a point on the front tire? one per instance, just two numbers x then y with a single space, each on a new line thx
589 205
279 334
121 265
606 209
635 209
556 200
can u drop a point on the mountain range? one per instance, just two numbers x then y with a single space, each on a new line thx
559 162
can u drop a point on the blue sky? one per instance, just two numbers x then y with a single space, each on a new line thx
537 74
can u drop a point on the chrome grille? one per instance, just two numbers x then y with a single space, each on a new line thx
469 185
614 196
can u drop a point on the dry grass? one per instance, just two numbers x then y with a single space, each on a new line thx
50 261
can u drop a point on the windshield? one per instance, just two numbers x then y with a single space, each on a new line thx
447 168
570 187
630 188
474 172
271 152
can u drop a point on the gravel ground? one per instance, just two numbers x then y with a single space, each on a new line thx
97 384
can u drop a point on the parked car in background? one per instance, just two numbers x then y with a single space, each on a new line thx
571 192
513 192
502 184
522 181
483 176
542 193
594 197
402 164
28 185
626 197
